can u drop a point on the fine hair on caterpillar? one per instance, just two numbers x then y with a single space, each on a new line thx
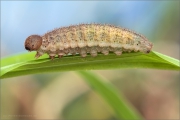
87 38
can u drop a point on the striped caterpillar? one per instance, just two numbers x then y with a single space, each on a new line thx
87 38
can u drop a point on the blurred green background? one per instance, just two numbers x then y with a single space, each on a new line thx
65 95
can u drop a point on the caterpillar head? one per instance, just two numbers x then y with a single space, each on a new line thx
33 42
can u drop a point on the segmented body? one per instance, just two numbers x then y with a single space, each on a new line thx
91 38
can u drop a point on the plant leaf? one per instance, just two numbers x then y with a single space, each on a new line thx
24 64
112 96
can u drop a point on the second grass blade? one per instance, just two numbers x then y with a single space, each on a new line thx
121 107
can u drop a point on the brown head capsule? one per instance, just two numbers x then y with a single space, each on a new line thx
33 42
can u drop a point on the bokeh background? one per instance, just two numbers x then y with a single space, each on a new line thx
65 95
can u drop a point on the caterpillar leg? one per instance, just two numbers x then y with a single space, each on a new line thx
105 50
118 52
38 55
72 51
61 54
93 51
51 57
83 52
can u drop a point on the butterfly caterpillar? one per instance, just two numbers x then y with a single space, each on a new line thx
87 38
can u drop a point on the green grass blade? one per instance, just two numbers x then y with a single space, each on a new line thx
121 107
24 64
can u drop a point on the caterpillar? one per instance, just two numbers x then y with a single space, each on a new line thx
87 38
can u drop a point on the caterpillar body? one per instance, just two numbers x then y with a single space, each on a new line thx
87 38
